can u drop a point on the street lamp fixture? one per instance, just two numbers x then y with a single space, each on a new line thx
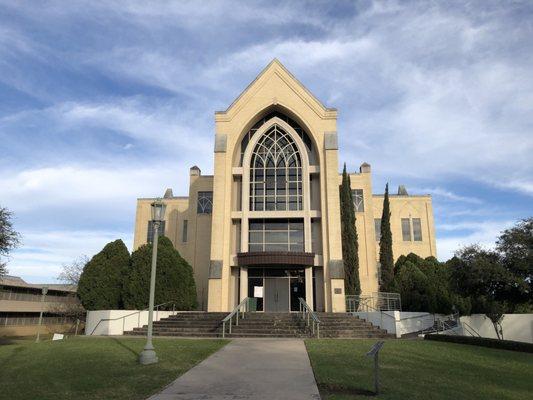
148 355
44 290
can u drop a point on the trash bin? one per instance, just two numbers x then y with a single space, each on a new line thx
252 304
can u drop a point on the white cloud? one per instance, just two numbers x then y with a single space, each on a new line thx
483 233
45 252
447 194
424 91
69 185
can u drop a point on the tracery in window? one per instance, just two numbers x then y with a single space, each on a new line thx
275 114
275 173
358 200
205 203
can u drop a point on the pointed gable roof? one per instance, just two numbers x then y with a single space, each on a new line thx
277 68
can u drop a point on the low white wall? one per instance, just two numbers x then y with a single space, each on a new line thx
517 327
116 324
398 322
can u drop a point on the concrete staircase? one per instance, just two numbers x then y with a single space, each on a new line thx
186 324
262 325
345 325
269 325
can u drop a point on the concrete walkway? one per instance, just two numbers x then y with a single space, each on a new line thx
249 369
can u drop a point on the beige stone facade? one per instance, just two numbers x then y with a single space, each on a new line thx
267 223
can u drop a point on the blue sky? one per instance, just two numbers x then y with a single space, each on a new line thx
103 102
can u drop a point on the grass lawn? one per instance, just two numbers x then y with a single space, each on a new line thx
418 369
94 368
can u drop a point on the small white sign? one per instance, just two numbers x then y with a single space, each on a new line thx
258 291
58 336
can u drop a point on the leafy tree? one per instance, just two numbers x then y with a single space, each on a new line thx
9 238
100 283
174 278
349 237
515 247
478 274
386 258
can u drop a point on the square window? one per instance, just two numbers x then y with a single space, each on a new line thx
150 233
417 230
406 229
255 247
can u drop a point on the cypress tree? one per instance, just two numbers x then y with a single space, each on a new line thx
386 258
349 237
100 284
174 278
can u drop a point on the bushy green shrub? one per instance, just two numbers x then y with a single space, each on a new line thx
424 285
484 342
100 284
174 281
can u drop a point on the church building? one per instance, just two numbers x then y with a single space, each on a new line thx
267 223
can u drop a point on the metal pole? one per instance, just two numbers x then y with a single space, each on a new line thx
376 373
148 355
44 290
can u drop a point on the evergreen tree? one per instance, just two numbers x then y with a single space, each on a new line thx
349 237
100 284
386 258
174 278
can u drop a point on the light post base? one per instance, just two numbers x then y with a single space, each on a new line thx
148 356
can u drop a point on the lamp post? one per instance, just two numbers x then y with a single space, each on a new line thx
44 290
148 355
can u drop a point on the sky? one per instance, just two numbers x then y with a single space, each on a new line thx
102 102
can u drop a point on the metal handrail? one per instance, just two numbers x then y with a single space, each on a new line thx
309 317
469 328
235 312
382 301
156 308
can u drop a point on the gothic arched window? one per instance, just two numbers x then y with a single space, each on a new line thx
275 173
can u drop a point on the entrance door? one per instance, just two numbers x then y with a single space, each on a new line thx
297 291
276 294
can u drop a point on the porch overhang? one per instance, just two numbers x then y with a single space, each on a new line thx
275 258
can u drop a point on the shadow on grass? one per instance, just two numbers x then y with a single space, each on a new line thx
328 390
6 340
123 345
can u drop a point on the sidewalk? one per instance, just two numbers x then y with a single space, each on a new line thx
255 369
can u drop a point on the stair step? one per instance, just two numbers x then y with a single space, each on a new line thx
203 324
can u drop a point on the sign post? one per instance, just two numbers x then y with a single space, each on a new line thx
374 351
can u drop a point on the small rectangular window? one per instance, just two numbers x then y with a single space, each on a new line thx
150 233
184 232
406 229
205 203
358 201
417 230
377 228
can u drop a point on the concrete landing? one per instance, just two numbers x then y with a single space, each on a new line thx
255 369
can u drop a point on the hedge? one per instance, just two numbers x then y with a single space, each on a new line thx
484 342
174 279
100 284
